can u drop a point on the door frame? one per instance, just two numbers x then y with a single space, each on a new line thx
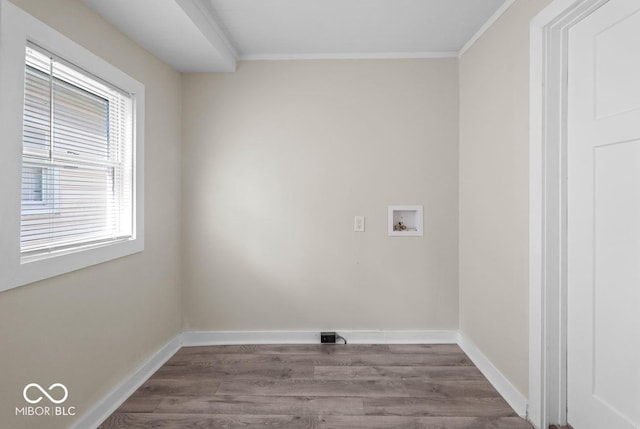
548 209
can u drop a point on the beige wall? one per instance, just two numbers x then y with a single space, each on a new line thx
90 328
494 192
278 159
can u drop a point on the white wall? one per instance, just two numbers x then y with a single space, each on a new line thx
494 186
90 328
280 156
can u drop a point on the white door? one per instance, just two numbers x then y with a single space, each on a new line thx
604 219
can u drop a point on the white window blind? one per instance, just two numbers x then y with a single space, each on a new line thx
77 158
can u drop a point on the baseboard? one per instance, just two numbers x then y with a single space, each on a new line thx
109 403
214 338
514 398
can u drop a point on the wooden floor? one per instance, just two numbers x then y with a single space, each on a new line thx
317 386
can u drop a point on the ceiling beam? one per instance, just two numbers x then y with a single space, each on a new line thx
492 20
207 22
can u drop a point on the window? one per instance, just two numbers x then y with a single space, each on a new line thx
77 164
71 154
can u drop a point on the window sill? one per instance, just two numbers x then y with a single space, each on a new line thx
29 258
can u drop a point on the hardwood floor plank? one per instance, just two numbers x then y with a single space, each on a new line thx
368 422
155 387
310 387
248 371
141 403
206 421
323 359
425 348
424 373
450 389
264 405
450 407
362 388
287 349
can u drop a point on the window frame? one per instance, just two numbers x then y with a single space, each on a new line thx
69 88
17 30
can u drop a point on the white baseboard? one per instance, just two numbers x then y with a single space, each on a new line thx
213 338
109 403
514 398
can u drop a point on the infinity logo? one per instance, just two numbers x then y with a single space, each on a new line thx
37 386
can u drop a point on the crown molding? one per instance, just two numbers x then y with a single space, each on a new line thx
492 19
350 56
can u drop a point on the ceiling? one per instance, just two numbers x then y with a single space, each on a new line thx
211 35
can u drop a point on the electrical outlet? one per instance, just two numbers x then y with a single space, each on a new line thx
328 337
358 224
